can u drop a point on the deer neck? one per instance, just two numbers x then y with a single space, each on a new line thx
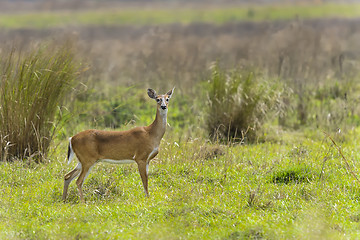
158 127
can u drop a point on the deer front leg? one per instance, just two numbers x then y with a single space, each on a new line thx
143 167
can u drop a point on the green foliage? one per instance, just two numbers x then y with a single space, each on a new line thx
33 85
239 104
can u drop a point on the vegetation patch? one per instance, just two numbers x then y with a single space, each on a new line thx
292 175
209 152
32 88
239 103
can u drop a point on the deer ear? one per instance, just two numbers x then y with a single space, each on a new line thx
169 93
151 93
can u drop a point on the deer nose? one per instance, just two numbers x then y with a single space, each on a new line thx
163 107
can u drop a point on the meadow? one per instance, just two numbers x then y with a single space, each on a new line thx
163 14
263 132
297 190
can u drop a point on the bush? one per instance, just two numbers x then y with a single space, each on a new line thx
32 86
239 103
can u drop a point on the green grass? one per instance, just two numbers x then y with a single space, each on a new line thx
293 186
193 195
43 19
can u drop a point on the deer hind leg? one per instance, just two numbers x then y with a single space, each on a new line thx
69 177
80 181
143 170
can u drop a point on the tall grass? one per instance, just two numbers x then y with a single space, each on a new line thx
239 103
32 86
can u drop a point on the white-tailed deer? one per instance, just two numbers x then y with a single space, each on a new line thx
138 145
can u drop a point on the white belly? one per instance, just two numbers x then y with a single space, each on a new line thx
116 161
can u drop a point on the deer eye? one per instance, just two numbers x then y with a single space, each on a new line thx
167 99
158 99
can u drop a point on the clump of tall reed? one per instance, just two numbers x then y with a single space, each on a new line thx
32 87
239 103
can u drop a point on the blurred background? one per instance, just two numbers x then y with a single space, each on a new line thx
220 56
166 43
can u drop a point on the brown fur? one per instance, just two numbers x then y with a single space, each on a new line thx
136 144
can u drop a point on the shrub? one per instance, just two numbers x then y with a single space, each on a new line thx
32 86
239 103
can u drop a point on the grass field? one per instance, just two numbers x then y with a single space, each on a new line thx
288 182
296 190
149 16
